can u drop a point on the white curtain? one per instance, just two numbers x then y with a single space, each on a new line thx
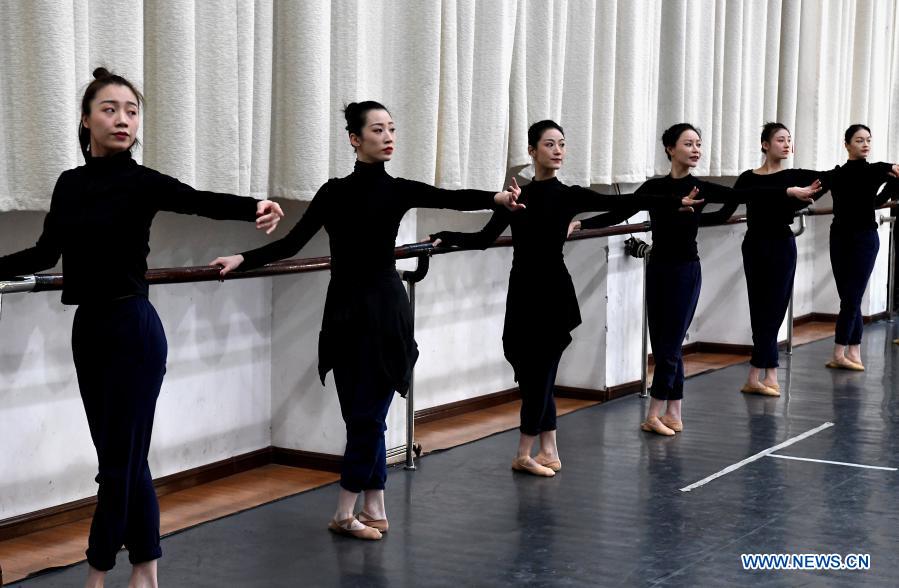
246 96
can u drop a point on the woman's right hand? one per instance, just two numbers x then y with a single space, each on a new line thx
228 263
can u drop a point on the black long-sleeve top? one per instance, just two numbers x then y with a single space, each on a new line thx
772 216
362 214
541 306
366 306
854 190
99 222
674 233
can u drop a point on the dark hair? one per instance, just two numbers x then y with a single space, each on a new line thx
854 129
536 130
102 78
673 133
356 112
768 131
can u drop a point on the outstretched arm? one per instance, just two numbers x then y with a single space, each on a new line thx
283 248
479 240
175 196
45 253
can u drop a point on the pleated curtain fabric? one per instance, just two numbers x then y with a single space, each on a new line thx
246 96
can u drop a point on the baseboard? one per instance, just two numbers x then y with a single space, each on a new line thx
306 459
435 413
581 393
80 509
625 389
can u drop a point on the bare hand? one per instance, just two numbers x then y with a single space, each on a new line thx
509 198
895 170
690 200
435 242
268 214
229 263
572 227
805 194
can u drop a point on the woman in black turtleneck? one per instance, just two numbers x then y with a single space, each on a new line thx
674 277
99 222
769 252
857 191
366 335
541 306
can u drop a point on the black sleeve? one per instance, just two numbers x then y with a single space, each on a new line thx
712 192
420 195
882 171
585 200
479 240
45 253
627 205
169 194
291 243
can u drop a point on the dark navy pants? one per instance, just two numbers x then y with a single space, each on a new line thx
672 292
852 255
365 395
120 355
769 262
536 381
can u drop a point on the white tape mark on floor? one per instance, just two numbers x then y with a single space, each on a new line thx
842 463
756 457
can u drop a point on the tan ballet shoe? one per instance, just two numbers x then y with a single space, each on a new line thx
759 389
343 528
367 520
655 425
844 365
672 423
522 465
553 464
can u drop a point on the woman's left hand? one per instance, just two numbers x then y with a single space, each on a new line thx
805 194
268 215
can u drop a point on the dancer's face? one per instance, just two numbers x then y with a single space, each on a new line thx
113 120
550 150
688 149
376 143
780 146
859 145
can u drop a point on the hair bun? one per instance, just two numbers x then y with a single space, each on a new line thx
101 72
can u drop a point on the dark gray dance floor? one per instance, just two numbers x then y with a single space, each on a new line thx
615 515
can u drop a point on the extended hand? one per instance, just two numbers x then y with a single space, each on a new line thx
268 214
572 227
805 194
509 198
690 200
231 262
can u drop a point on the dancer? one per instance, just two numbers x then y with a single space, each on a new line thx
857 189
366 335
769 252
674 276
99 222
541 306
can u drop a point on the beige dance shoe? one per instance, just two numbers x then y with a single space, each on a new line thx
845 364
344 528
369 521
655 425
553 464
672 423
759 389
522 465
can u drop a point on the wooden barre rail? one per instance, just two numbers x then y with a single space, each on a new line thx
182 275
